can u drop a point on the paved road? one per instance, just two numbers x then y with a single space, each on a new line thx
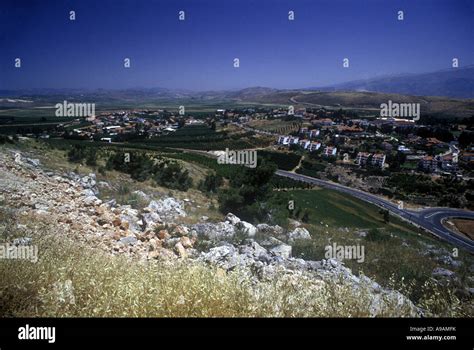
428 219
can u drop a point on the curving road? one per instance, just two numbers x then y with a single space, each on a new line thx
429 219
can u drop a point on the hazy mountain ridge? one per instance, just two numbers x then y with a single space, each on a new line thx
455 82
447 93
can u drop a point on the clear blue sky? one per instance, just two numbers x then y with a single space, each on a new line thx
198 53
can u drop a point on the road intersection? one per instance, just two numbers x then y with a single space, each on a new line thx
430 219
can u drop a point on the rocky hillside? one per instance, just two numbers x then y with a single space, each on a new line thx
156 233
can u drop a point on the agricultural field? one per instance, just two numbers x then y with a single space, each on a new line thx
284 161
22 121
275 125
19 114
340 210
202 137
224 170
395 252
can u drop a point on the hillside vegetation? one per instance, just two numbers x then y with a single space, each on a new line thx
173 254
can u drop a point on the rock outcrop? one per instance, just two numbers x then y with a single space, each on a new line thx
72 202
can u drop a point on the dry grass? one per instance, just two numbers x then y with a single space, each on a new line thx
74 280
398 266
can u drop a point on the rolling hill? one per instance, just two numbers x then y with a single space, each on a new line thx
455 82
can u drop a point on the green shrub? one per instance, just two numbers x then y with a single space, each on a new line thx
142 167
374 235
211 183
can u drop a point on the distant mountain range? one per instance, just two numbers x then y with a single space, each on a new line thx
454 82
448 93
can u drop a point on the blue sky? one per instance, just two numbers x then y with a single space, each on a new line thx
198 53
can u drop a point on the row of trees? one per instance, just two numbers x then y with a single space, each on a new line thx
80 153
141 167
248 191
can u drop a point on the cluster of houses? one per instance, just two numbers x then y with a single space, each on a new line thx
294 140
353 133
306 144
320 131
309 133
381 136
445 162
374 159
330 151
112 124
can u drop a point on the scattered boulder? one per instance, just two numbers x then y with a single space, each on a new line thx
180 250
41 206
270 230
232 219
168 208
180 230
186 242
87 193
298 233
214 232
91 200
270 241
294 223
150 220
34 162
125 225
170 242
111 203
129 240
448 260
163 235
253 249
227 257
442 272
246 228
131 216
141 195
333 263
282 250
89 182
